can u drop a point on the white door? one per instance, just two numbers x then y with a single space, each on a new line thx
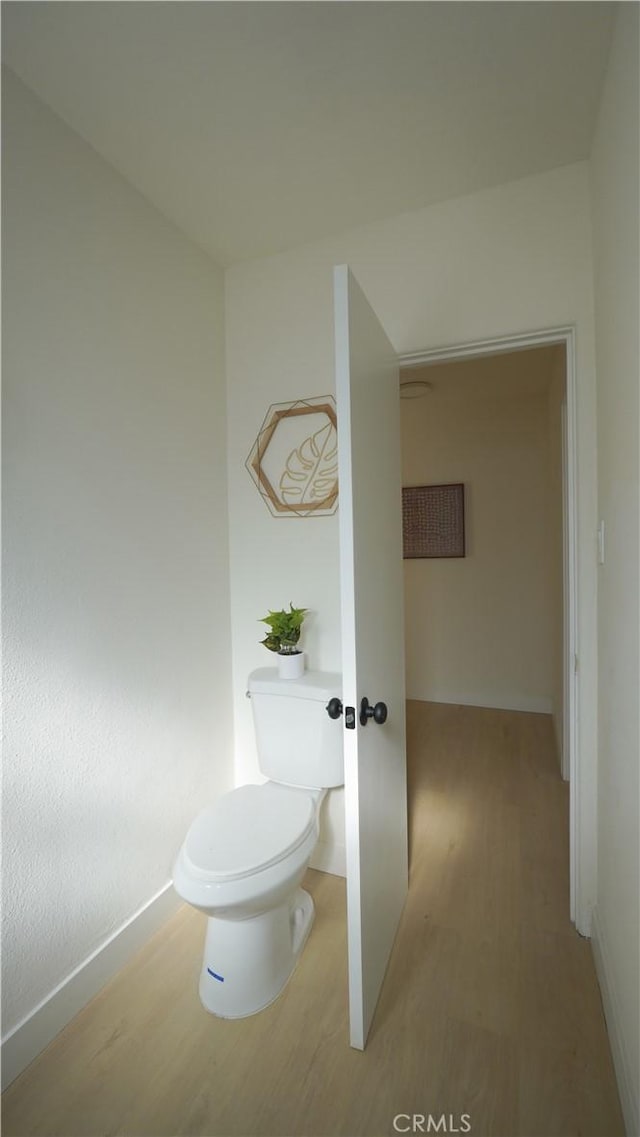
371 573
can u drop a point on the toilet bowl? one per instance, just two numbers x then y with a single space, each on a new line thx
242 863
244 857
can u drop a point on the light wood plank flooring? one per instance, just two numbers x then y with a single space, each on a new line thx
490 1007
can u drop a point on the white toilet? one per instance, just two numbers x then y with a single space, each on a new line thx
244 857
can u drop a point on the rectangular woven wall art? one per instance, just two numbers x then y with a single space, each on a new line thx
433 521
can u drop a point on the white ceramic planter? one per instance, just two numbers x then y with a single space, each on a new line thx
291 666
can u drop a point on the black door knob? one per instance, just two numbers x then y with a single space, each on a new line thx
334 708
377 713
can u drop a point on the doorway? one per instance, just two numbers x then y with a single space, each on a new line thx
497 628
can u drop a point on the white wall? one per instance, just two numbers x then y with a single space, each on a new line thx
479 630
503 261
615 190
116 632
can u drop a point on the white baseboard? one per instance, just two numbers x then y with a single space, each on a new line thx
610 1002
329 858
30 1036
501 702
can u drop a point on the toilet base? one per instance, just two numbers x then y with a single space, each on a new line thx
248 962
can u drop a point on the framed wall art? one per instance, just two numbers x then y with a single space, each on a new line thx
433 521
293 462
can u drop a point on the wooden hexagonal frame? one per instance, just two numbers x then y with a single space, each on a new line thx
307 485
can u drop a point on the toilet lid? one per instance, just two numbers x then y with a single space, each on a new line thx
246 830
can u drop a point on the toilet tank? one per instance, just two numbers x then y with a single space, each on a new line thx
298 743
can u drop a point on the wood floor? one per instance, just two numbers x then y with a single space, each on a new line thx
490 1007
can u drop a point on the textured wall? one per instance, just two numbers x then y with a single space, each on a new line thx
116 632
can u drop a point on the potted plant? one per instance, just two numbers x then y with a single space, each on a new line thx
282 637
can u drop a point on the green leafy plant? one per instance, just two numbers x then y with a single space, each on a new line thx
284 629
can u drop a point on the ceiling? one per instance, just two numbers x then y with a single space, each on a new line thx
256 127
503 375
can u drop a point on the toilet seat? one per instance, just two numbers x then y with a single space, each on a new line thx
247 830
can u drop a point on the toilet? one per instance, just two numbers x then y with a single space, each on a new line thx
244 857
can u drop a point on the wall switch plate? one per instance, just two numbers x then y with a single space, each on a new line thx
601 543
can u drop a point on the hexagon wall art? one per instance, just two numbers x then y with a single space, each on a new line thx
293 462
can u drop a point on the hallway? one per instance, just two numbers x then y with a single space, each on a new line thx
490 1008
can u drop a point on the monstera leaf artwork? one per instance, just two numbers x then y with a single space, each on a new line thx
294 460
312 469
